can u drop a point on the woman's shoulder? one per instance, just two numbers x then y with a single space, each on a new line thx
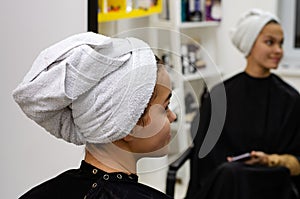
68 183
152 192
284 87
233 76
229 81
139 191
126 189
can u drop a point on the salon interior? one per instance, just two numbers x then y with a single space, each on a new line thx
193 30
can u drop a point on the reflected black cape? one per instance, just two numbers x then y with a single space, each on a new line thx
262 114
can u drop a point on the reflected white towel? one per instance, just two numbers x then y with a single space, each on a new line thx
248 28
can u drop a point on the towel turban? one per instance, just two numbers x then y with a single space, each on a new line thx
89 88
248 28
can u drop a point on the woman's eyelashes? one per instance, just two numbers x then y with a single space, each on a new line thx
167 106
269 42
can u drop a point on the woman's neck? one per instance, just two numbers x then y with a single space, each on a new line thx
110 158
253 69
257 71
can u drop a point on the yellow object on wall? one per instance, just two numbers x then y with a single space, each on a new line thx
111 10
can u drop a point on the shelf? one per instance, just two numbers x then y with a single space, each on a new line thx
123 14
288 72
202 73
192 77
186 25
199 24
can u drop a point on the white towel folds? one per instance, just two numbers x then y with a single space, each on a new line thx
89 88
248 27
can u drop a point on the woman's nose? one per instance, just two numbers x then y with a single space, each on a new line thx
172 116
279 49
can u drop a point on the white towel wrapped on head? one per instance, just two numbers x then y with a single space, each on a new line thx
248 28
89 87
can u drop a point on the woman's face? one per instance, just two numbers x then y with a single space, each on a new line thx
153 134
267 50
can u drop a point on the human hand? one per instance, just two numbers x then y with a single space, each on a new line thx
255 157
258 157
272 160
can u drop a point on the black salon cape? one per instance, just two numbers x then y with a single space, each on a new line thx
262 114
90 182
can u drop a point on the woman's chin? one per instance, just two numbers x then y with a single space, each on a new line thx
163 151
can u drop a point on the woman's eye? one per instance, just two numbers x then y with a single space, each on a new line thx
167 107
281 43
269 42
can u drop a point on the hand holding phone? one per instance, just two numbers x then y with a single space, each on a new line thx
240 158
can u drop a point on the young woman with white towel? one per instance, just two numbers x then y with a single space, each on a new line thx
109 94
262 114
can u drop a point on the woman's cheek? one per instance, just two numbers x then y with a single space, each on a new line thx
156 122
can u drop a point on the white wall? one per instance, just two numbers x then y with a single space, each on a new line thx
28 154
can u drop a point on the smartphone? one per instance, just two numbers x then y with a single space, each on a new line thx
242 157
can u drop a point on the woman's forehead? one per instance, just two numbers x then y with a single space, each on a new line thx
272 29
163 78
